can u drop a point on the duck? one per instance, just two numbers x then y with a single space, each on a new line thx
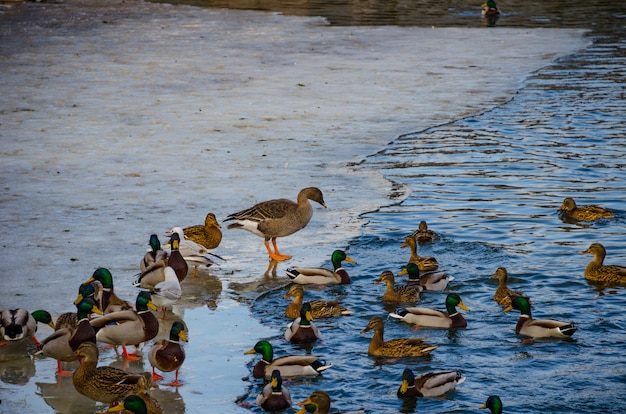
194 253
433 318
274 397
277 218
168 355
155 254
319 403
504 295
136 404
103 384
108 302
208 235
490 9
426 263
320 309
18 324
400 293
423 234
176 260
155 273
433 280
57 344
168 292
129 327
430 384
302 330
289 366
394 348
494 404
84 332
538 328
321 275
597 272
584 213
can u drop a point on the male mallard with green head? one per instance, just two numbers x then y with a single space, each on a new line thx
168 354
433 280
319 403
538 328
277 218
494 404
430 384
18 324
434 318
274 396
289 365
302 330
321 275
109 301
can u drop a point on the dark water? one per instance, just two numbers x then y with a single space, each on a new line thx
491 184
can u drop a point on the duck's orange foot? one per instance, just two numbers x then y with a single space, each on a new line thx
156 377
279 257
175 383
130 357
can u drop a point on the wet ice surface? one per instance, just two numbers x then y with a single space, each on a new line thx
119 120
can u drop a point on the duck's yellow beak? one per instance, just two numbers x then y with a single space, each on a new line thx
252 351
97 310
350 260
404 386
309 316
152 306
305 402
403 272
183 336
482 407
78 299
274 382
462 306
508 308
117 408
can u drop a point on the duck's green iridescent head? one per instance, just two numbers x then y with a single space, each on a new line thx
408 379
412 270
452 301
520 303
491 4
155 243
43 317
103 275
494 404
132 403
264 348
339 256
85 307
86 290
305 314
144 302
177 332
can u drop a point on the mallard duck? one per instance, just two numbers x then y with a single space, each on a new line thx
321 275
278 218
490 9
176 260
84 332
433 318
504 295
319 403
194 253
400 293
168 354
423 234
426 263
596 271
583 213
18 324
129 327
289 365
302 330
108 302
136 404
103 384
57 344
319 308
538 328
274 397
154 255
394 348
430 384
208 235
433 280
168 292
494 404
155 274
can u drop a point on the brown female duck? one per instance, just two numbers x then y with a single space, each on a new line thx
400 293
584 213
208 235
394 348
426 263
423 234
277 218
319 308
504 295
598 272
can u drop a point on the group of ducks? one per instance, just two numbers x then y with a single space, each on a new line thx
123 324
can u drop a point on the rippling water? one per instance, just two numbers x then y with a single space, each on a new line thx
491 185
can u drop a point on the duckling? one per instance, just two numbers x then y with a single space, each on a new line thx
168 292
319 308
394 348
598 272
195 254
136 404
322 275
504 295
128 327
18 324
434 280
278 218
302 330
435 318
430 384
538 328
584 213
108 302
208 235
397 294
423 234
104 384
319 403
494 404
274 397
168 354
289 365
426 263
